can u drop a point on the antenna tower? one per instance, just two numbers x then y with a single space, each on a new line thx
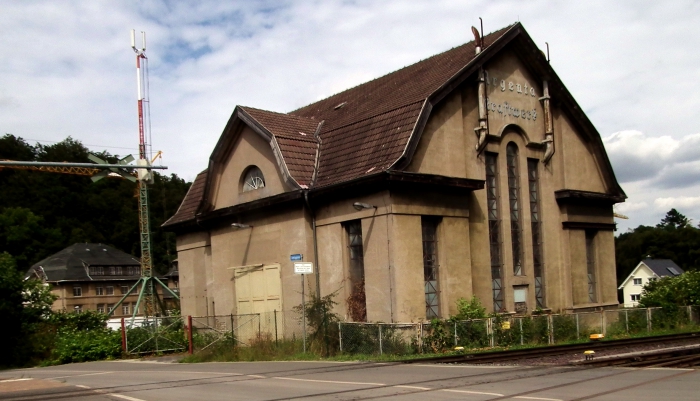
148 294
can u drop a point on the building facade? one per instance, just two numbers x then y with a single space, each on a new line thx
471 173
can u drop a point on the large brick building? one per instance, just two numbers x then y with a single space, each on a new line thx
473 172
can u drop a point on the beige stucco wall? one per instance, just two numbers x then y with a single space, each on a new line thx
250 149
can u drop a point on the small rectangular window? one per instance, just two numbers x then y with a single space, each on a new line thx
635 297
100 308
99 291
637 281
77 291
110 290
109 307
124 289
78 308
125 309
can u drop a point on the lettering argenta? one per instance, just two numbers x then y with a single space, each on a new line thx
509 86
505 109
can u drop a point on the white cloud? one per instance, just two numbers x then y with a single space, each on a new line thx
687 202
68 70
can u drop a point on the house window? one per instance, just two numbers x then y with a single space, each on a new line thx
99 291
118 271
124 289
78 308
494 230
96 271
100 308
635 297
430 267
520 298
77 291
536 229
515 207
125 308
590 266
133 271
253 179
357 301
652 279
637 281
110 290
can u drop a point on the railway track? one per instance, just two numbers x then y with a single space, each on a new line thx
511 355
686 357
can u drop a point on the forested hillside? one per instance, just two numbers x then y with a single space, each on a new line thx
673 238
42 213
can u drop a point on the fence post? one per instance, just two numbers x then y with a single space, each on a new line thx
275 327
340 336
189 333
550 328
233 336
489 332
521 330
627 324
605 322
123 336
578 331
602 323
455 334
380 338
420 335
648 320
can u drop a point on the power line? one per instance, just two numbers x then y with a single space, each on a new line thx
84 144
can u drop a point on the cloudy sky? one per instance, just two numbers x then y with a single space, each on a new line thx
68 70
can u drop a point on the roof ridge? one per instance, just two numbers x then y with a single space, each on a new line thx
471 42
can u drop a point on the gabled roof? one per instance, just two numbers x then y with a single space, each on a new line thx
375 127
660 268
71 264
663 267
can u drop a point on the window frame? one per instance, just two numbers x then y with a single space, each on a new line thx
77 291
109 290
256 177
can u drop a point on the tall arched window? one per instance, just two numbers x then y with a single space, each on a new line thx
494 230
515 207
253 179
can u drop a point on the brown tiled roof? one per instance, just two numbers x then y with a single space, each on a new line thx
363 130
296 139
369 132
189 205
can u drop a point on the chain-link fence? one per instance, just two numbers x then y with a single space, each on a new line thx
505 330
151 335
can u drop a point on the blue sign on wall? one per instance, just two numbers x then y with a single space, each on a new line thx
296 257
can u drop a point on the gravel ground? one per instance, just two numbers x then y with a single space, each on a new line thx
564 359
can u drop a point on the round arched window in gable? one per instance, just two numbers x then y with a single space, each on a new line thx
253 179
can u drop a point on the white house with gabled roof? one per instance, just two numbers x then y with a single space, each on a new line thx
646 271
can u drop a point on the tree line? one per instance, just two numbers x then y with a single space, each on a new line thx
42 213
673 238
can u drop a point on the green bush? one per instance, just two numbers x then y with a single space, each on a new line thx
74 345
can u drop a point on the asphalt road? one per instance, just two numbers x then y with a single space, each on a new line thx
155 381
